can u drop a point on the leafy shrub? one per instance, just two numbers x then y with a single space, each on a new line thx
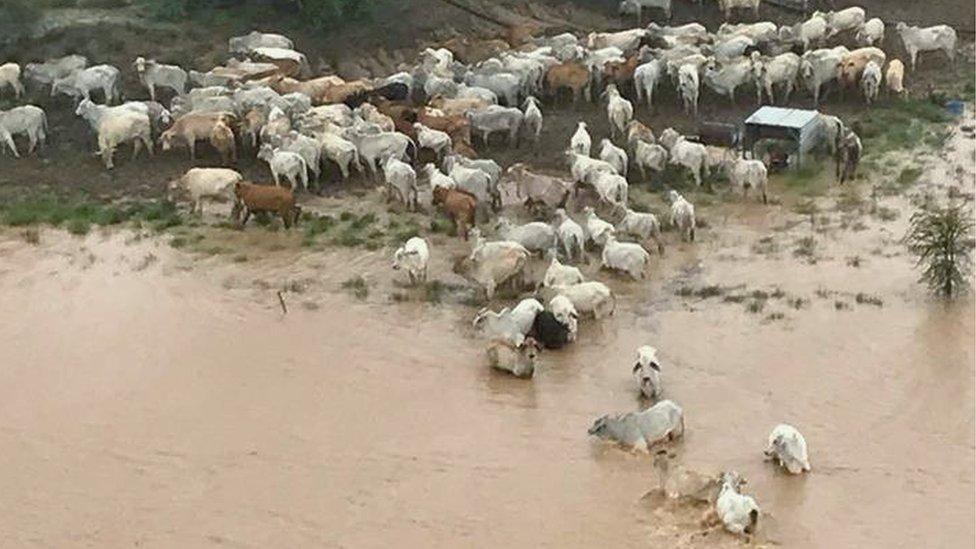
941 240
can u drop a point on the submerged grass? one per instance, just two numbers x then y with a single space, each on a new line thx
357 286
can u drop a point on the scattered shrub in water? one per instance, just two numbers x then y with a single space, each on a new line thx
863 298
941 239
358 286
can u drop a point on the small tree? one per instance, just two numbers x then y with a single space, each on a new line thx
941 240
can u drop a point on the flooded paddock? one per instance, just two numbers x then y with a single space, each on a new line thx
152 398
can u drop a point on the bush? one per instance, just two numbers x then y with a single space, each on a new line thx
941 240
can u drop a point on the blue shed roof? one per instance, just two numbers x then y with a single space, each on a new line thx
785 118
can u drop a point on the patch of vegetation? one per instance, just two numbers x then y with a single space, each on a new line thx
806 179
901 125
854 261
239 258
77 212
885 213
434 291
365 221
357 286
346 216
756 306
441 224
806 247
765 245
349 238
841 305
862 298
797 302
704 292
941 239
806 207
849 200
772 317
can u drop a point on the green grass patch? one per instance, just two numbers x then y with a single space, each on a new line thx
77 213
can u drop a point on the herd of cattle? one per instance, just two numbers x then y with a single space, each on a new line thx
414 129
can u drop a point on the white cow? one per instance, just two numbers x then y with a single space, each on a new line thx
626 257
532 118
339 150
592 297
689 85
10 77
519 360
871 81
611 188
580 143
510 325
535 236
642 225
558 274
649 155
640 431
846 19
613 155
915 39
565 313
682 215
647 372
214 184
726 6
435 140
748 174
49 71
780 70
788 448
570 234
817 67
401 180
619 111
495 118
374 149
739 513
597 229
725 78
413 257
813 31
871 32
491 264
28 120
286 164
646 77
80 83
253 40
153 74
682 152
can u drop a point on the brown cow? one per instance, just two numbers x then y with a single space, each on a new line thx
572 75
195 127
458 127
222 139
251 198
459 205
621 73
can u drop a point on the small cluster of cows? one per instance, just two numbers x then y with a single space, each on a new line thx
416 130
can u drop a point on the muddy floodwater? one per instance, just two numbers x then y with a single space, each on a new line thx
154 399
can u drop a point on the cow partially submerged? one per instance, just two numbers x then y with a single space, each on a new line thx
640 431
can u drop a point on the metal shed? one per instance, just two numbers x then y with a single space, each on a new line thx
801 127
